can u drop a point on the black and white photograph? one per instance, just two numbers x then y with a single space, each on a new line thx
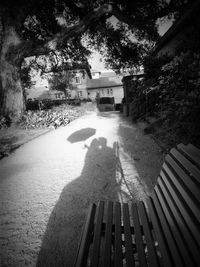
99 133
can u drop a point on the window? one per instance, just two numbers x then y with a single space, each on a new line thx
77 79
58 96
80 93
109 91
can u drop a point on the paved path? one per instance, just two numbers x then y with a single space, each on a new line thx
47 185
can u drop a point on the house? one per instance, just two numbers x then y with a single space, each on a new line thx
52 95
75 84
180 32
75 79
105 85
78 87
95 74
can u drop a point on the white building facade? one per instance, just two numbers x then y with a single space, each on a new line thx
105 85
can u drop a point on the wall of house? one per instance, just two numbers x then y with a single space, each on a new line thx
180 37
79 86
95 75
178 41
117 92
56 95
92 93
169 48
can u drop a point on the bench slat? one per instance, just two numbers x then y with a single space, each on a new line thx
173 227
97 235
159 234
182 207
187 245
190 168
166 231
118 235
191 152
128 238
185 185
180 189
108 235
138 236
81 259
148 236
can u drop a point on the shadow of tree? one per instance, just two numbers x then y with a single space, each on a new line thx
96 182
143 151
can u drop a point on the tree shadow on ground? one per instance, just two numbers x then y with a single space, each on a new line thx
96 182
143 151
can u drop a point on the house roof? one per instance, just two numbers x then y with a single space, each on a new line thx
104 82
179 25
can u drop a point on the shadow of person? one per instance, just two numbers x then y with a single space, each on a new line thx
96 182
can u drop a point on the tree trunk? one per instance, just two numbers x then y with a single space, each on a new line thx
11 93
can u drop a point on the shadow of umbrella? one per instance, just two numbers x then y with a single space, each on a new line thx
81 135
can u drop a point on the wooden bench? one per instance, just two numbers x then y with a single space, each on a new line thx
163 231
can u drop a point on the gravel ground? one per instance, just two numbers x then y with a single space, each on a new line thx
47 185
13 137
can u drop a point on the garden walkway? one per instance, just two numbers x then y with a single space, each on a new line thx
47 185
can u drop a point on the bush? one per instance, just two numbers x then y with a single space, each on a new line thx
179 90
32 105
174 96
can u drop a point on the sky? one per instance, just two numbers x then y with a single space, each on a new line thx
97 63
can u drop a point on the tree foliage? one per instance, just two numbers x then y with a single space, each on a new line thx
62 81
26 75
175 95
153 67
48 26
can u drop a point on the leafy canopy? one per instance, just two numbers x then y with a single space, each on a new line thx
66 30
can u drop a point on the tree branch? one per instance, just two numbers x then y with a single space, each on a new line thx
121 17
29 48
75 9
